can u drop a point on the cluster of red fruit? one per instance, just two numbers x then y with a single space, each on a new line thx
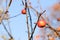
40 23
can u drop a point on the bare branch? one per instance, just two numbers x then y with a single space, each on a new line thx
36 24
8 6
14 16
7 30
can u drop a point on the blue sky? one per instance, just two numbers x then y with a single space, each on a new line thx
18 24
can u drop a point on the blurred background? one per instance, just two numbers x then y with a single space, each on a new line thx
17 25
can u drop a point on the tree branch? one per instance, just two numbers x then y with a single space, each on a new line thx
36 24
8 6
6 30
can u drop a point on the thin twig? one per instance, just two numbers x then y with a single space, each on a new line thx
50 27
8 6
6 30
27 26
27 19
22 2
34 10
14 16
9 26
10 3
53 30
30 21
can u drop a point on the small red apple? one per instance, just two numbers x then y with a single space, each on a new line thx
41 23
23 11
